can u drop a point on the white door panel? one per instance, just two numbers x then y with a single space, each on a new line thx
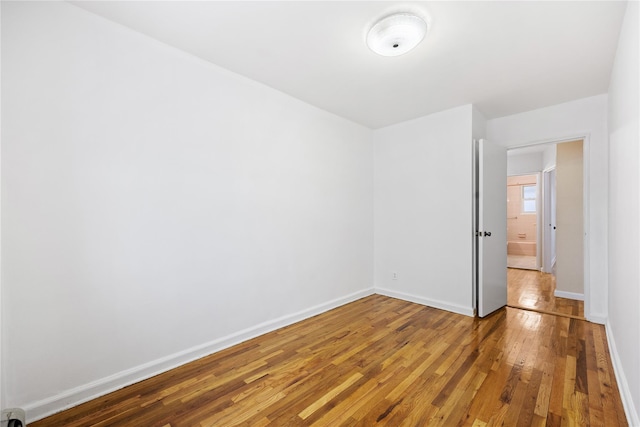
491 232
549 223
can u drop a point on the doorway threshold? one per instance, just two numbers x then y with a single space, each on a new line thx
554 313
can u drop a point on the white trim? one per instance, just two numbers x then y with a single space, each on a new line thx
1 350
454 308
569 295
474 226
633 418
586 225
599 319
559 140
539 215
70 398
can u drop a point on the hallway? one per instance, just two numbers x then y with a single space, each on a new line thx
533 290
526 262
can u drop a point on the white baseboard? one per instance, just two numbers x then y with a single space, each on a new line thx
455 308
597 318
569 295
70 398
633 418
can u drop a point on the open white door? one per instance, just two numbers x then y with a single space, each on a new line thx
549 221
491 230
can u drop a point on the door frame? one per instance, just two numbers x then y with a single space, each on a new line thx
539 217
547 260
586 202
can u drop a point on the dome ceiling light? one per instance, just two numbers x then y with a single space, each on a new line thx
396 34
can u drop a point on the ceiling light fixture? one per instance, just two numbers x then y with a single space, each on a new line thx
396 34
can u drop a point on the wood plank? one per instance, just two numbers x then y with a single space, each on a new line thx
327 397
382 361
534 290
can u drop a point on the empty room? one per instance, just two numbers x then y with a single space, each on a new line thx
295 213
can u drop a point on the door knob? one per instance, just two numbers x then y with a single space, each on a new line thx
487 233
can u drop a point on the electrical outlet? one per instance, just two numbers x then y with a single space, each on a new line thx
13 417
394 275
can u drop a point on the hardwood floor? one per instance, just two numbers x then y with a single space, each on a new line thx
533 290
383 361
522 261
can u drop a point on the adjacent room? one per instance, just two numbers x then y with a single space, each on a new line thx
522 222
545 225
219 213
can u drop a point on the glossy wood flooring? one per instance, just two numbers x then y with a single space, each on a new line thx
533 290
382 361
522 261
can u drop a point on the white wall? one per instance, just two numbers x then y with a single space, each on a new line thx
524 164
624 214
478 124
423 209
549 157
156 208
583 117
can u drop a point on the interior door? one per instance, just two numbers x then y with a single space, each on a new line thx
552 223
491 227
549 246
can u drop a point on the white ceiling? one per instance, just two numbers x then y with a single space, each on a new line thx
505 57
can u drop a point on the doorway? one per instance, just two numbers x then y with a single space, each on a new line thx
523 205
551 177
